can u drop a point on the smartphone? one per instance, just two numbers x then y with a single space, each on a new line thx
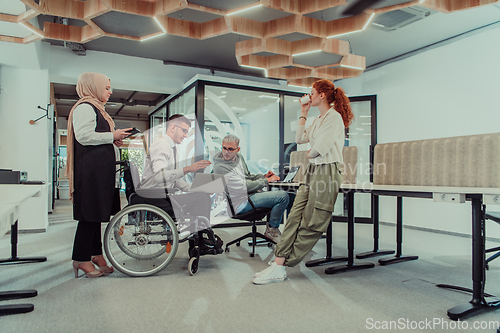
133 131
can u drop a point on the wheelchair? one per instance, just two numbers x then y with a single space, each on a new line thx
142 239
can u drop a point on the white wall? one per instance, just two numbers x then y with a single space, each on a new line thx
448 91
23 146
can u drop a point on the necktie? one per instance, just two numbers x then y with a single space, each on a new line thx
175 157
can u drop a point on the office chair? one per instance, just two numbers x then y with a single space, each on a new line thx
494 216
256 214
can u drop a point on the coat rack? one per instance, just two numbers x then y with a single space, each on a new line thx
32 122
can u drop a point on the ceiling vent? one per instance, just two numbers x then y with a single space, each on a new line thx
397 19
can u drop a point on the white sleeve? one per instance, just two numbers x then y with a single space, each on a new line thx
160 160
301 136
313 153
84 123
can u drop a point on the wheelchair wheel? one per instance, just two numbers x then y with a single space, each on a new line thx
193 266
141 240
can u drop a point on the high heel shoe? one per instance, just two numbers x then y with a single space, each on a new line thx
105 268
91 274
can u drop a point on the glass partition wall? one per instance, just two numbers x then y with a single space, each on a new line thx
253 114
265 120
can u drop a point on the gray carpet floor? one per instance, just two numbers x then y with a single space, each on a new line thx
222 298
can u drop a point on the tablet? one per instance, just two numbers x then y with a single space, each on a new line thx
133 131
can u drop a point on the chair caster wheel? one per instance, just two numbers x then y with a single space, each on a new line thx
193 266
269 244
252 254
238 244
227 249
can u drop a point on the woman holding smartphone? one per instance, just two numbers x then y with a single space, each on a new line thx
312 209
91 155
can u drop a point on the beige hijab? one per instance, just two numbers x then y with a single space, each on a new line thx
90 88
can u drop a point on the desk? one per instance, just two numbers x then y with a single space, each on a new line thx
16 195
11 198
475 196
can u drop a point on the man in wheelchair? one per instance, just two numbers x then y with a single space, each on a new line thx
161 171
162 187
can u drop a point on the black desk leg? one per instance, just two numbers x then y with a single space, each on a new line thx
375 220
479 301
328 258
7 295
399 239
350 241
14 259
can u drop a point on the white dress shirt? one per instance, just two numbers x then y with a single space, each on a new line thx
326 136
159 168
84 124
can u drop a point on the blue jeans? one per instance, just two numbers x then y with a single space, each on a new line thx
277 200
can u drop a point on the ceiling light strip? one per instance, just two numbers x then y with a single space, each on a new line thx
345 33
150 37
159 24
368 22
353 67
308 52
242 10
255 67
30 29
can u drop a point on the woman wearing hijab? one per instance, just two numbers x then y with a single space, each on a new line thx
313 206
91 168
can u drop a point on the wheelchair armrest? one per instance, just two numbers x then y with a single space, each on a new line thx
159 193
153 192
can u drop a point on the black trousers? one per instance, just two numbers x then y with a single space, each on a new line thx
87 241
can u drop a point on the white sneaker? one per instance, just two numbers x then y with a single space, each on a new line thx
274 273
270 262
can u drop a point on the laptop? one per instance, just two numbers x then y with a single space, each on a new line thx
291 174
208 183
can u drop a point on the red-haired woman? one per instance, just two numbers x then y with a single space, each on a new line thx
313 206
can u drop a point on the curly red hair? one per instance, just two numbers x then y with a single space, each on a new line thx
336 96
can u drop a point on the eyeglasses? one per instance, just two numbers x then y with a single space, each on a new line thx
229 149
183 129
